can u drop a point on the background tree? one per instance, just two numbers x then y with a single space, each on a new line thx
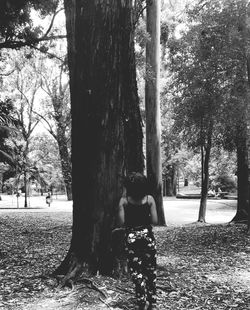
172 19
26 85
196 111
8 124
19 29
206 60
152 103
234 132
44 155
171 145
58 118
245 29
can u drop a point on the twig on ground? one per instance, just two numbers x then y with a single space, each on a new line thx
124 290
90 284
105 303
165 288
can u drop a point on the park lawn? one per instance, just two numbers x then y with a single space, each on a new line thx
199 267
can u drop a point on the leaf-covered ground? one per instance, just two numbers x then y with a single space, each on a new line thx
199 267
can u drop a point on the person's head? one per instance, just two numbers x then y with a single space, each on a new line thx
136 185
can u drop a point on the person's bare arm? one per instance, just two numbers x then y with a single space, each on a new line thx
120 215
153 212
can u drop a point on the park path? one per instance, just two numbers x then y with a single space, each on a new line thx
185 211
10 203
177 211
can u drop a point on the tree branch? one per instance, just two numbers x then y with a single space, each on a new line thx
51 23
18 44
33 126
46 52
8 73
50 130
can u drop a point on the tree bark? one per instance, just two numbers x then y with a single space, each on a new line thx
61 138
242 176
25 187
106 125
245 31
205 158
171 181
152 102
248 122
65 160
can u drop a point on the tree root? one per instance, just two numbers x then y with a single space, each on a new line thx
241 217
90 284
74 275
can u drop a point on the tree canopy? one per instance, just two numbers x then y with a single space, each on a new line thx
17 26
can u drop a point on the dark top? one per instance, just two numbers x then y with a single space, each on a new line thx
137 215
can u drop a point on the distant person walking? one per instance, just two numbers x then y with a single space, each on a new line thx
219 191
137 213
48 199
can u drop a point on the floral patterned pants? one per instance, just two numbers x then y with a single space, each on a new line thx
141 253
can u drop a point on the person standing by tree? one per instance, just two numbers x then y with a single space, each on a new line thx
137 213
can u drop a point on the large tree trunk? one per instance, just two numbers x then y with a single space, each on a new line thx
152 93
245 28
106 124
242 176
248 118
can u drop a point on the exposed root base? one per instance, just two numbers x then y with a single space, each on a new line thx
241 217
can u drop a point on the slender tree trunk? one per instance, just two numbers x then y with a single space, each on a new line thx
205 175
204 189
1 184
106 125
152 100
171 181
65 159
25 188
60 116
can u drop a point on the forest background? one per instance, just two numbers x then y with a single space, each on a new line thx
35 82
204 99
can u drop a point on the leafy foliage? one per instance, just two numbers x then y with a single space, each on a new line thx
207 83
15 18
225 183
207 64
8 122
223 170
45 156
